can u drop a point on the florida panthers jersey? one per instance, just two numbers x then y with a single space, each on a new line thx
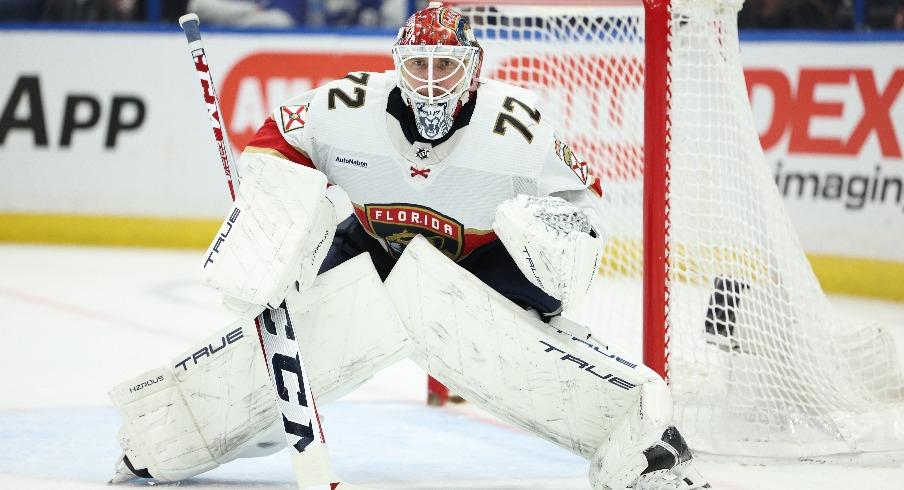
446 191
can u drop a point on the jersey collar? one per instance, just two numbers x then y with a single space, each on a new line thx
398 109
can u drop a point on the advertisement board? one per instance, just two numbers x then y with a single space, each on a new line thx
831 122
110 127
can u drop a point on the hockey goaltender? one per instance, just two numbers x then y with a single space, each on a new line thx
465 200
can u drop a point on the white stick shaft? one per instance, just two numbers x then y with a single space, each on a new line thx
191 26
295 400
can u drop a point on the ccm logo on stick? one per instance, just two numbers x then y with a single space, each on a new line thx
209 97
286 368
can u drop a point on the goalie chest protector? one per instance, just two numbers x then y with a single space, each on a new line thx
451 202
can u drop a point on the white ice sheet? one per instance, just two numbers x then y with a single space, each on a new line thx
77 320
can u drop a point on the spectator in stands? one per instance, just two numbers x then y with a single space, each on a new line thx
21 10
89 10
171 10
364 13
885 14
788 14
290 13
393 13
250 13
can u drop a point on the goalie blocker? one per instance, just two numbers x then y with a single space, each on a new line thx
275 237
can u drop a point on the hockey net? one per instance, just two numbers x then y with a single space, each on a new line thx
758 363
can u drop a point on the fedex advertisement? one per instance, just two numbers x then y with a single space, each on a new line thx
830 117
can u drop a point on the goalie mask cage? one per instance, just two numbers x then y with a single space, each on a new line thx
703 253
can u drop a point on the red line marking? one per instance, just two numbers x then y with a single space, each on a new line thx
88 313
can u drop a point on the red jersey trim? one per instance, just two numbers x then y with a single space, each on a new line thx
269 139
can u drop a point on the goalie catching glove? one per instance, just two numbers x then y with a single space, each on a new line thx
550 241
277 233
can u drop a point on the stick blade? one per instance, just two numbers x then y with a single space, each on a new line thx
314 470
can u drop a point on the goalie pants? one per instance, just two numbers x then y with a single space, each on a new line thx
491 263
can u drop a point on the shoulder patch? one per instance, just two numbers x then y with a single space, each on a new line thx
293 117
574 162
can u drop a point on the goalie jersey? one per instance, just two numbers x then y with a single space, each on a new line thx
359 132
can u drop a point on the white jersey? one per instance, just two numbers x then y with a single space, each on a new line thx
446 192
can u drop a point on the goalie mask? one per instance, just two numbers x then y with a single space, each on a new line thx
438 62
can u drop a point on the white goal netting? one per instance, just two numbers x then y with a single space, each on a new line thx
758 362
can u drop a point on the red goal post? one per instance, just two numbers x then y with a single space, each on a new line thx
704 258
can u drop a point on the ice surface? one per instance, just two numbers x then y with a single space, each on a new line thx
78 320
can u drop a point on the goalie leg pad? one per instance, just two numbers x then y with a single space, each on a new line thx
568 390
175 421
278 231
348 328
215 403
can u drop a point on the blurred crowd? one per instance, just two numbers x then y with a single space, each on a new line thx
821 14
756 14
239 13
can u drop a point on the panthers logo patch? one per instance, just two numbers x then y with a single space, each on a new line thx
398 224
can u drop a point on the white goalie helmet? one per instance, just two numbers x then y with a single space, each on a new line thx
438 60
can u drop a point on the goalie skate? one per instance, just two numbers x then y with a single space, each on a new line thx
124 471
669 466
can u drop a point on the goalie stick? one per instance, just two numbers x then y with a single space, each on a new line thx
295 400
